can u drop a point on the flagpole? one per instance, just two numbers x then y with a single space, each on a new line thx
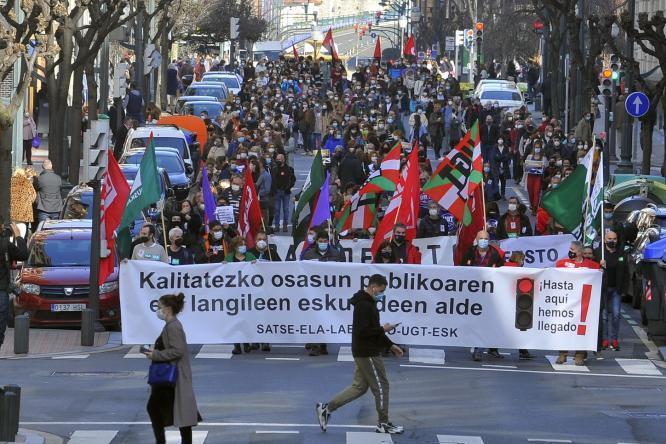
602 231
483 203
263 225
163 228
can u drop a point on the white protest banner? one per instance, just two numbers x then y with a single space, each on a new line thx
225 214
434 250
301 302
540 251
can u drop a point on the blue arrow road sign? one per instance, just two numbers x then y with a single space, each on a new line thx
637 104
373 35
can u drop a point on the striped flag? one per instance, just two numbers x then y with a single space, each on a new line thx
359 212
456 178
592 223
387 175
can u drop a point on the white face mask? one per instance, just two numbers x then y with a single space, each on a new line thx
513 207
160 315
261 244
235 187
217 235
372 230
433 212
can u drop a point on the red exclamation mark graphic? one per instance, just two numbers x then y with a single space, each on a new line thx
584 306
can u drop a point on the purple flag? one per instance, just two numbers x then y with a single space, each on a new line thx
209 199
322 211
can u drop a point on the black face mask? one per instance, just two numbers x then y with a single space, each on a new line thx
142 239
399 238
572 255
178 242
611 244
386 254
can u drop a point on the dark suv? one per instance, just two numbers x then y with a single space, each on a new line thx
53 284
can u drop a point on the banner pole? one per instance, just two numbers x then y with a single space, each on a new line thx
163 228
263 225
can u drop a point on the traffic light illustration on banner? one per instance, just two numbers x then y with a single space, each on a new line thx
606 87
479 33
234 28
524 303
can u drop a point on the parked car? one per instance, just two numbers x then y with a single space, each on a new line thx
217 90
230 79
168 159
53 284
64 224
163 135
184 99
213 109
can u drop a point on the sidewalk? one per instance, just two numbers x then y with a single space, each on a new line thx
44 343
26 436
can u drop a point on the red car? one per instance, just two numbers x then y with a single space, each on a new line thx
53 284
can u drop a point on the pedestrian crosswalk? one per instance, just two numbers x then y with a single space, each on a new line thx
308 432
416 356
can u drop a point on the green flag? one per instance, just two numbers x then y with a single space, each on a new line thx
592 226
565 203
145 191
307 200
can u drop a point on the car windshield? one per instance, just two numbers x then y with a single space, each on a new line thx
205 91
77 207
49 252
231 82
170 142
169 162
213 109
500 95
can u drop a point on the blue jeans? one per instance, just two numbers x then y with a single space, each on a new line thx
611 323
4 313
43 215
282 201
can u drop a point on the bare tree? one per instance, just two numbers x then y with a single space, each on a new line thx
650 37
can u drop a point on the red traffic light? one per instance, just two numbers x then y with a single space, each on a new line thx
525 285
479 26
537 25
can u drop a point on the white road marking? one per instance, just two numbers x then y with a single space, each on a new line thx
569 366
275 432
283 359
201 424
368 438
92 436
631 322
638 366
345 354
198 436
536 372
521 195
215 352
459 439
434 356
547 440
71 357
653 350
498 366
134 353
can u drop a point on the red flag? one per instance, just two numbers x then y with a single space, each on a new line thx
249 214
115 191
293 47
404 205
409 49
467 234
378 50
330 45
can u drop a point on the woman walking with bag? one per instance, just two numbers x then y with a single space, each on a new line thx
171 399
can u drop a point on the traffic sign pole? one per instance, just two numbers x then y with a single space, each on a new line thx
637 105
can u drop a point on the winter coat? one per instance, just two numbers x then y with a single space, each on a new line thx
368 336
185 412
48 185
29 128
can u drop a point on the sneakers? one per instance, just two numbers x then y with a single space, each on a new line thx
387 427
615 345
322 415
526 356
476 355
495 353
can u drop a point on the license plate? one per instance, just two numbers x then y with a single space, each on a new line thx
68 307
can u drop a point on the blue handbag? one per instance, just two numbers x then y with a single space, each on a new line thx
162 374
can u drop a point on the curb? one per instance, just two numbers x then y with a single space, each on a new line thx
114 343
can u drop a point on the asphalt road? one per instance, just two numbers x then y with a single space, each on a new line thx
438 395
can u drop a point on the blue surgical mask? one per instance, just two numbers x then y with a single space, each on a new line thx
311 238
483 243
323 246
242 249
379 297
241 139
